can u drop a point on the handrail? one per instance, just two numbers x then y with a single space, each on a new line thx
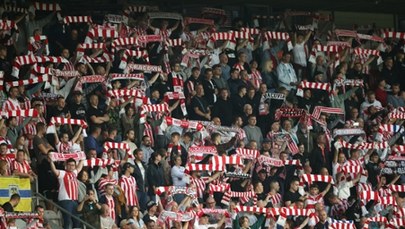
65 211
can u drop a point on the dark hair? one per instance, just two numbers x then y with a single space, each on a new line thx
153 157
136 151
233 70
207 70
216 66
38 207
241 87
195 69
15 196
40 125
145 136
70 160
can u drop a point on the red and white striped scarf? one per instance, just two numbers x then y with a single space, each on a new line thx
7 26
36 42
131 76
116 145
20 113
220 36
104 58
251 209
143 67
397 188
248 153
77 19
205 167
243 196
271 35
100 33
133 53
65 156
101 162
148 131
15 9
47 6
310 178
378 219
67 121
313 85
340 225
289 113
84 46
198 152
393 34
162 108
330 110
186 124
219 188
124 41
31 59
39 79
119 93
227 160
256 77
177 96
365 145
89 79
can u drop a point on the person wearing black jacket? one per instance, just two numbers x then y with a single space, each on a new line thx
209 87
321 156
154 173
140 177
223 108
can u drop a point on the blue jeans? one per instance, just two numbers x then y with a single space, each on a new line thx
70 206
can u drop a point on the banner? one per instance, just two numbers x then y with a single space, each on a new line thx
21 186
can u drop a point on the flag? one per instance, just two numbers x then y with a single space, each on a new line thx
21 186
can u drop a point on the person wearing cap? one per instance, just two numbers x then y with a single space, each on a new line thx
151 212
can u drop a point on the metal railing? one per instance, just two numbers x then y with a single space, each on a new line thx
84 223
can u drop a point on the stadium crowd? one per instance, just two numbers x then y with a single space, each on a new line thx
152 120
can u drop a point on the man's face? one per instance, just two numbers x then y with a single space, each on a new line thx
146 141
217 71
371 98
223 58
295 185
109 190
139 156
71 166
196 73
93 154
94 100
14 92
131 135
3 149
242 57
252 121
287 58
395 89
65 53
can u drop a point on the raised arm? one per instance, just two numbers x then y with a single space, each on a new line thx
77 134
